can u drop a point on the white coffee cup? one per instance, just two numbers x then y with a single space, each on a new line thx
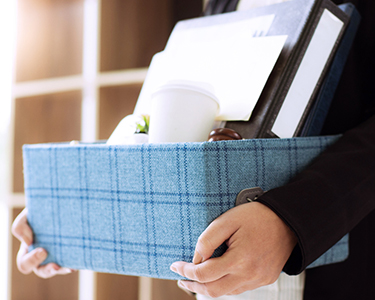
182 111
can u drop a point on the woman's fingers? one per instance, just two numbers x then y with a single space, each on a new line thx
50 270
211 270
21 229
28 261
227 285
215 234
259 243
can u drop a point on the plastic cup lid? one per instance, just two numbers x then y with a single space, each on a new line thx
200 87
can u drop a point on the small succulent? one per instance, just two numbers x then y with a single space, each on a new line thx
142 125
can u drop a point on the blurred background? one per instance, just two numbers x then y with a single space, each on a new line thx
71 70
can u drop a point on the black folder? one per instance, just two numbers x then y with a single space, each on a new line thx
317 114
299 19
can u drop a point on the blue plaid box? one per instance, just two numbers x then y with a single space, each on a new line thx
136 209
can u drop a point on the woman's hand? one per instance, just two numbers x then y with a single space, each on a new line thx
259 244
28 262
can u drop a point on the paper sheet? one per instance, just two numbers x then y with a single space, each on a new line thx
192 33
237 69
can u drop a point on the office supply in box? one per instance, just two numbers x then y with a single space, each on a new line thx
182 112
315 29
317 114
136 209
220 51
232 51
227 64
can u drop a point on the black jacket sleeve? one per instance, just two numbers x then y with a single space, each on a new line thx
330 197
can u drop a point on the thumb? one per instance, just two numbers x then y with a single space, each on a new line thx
220 230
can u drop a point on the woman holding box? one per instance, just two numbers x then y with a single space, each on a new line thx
334 196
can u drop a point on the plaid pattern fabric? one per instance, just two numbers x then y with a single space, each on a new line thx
136 209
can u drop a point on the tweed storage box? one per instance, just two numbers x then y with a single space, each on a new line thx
136 209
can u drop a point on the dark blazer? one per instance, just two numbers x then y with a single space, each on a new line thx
336 194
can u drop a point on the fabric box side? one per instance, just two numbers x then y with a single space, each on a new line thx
136 209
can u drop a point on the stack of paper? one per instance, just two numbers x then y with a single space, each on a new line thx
229 56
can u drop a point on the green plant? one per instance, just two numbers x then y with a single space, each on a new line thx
143 125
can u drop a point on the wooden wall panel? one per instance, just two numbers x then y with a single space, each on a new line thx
133 31
49 38
31 287
43 119
116 287
116 102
